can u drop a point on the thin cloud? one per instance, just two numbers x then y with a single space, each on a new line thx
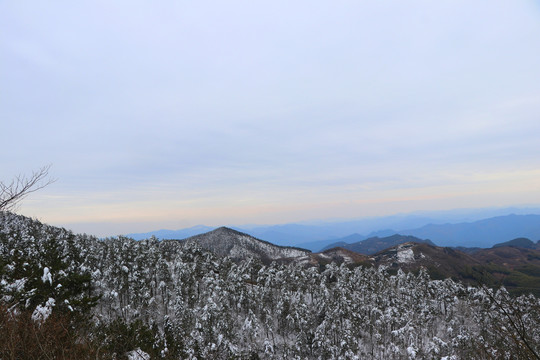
293 107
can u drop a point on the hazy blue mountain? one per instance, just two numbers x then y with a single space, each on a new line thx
324 244
375 244
172 234
483 233
431 225
480 234
354 238
289 234
381 233
519 242
307 235
314 245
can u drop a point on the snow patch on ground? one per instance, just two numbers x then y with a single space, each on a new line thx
347 259
304 260
405 256
137 354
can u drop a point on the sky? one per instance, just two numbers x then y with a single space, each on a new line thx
171 114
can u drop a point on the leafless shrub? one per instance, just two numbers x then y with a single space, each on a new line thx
21 186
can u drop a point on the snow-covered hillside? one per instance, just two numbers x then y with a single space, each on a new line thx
175 300
236 245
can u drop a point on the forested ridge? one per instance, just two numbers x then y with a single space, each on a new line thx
71 296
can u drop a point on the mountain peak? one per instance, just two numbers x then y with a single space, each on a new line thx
227 230
225 241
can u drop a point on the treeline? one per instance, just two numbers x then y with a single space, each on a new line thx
172 301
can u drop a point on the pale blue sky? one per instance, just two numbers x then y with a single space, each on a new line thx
211 112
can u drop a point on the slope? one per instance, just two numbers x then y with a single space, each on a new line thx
376 244
224 241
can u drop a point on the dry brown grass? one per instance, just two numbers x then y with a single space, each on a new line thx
54 338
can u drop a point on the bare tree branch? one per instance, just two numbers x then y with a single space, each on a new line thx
20 187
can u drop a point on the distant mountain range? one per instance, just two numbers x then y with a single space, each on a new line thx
308 234
172 234
514 264
480 233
